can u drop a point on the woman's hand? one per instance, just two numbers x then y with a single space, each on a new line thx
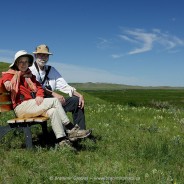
8 85
39 100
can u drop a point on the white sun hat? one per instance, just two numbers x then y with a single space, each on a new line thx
21 53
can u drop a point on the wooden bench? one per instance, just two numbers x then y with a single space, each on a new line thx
23 124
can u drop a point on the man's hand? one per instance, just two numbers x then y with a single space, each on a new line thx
39 100
81 101
59 97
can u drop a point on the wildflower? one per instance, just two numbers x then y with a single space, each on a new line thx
154 171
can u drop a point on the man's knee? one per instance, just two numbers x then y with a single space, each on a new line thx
71 104
74 100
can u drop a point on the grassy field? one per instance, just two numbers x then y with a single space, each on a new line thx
138 137
131 144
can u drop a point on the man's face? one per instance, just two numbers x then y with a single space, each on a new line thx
42 59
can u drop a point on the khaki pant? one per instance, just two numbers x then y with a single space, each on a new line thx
50 107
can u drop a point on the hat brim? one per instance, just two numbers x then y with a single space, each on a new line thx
26 55
49 53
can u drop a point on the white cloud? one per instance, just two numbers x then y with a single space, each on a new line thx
115 56
127 38
103 43
144 41
168 41
73 73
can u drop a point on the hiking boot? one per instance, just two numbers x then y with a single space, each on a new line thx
75 133
65 143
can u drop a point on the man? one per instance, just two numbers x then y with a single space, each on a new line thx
52 80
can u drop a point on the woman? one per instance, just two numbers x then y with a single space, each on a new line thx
28 99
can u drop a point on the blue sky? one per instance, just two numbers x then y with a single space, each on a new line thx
134 42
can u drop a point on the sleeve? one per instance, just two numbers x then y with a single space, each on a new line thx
6 77
61 84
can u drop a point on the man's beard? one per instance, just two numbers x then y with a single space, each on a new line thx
41 62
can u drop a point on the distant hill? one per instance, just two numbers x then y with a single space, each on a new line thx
99 86
4 66
102 86
109 86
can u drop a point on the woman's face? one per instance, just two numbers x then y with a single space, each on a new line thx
23 63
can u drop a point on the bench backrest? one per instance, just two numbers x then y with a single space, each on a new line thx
6 105
5 100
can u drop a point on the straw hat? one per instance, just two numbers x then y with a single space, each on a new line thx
42 49
22 53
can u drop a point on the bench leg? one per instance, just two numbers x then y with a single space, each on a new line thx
28 137
4 130
27 132
45 131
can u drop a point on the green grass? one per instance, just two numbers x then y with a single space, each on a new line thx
133 144
4 67
142 97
